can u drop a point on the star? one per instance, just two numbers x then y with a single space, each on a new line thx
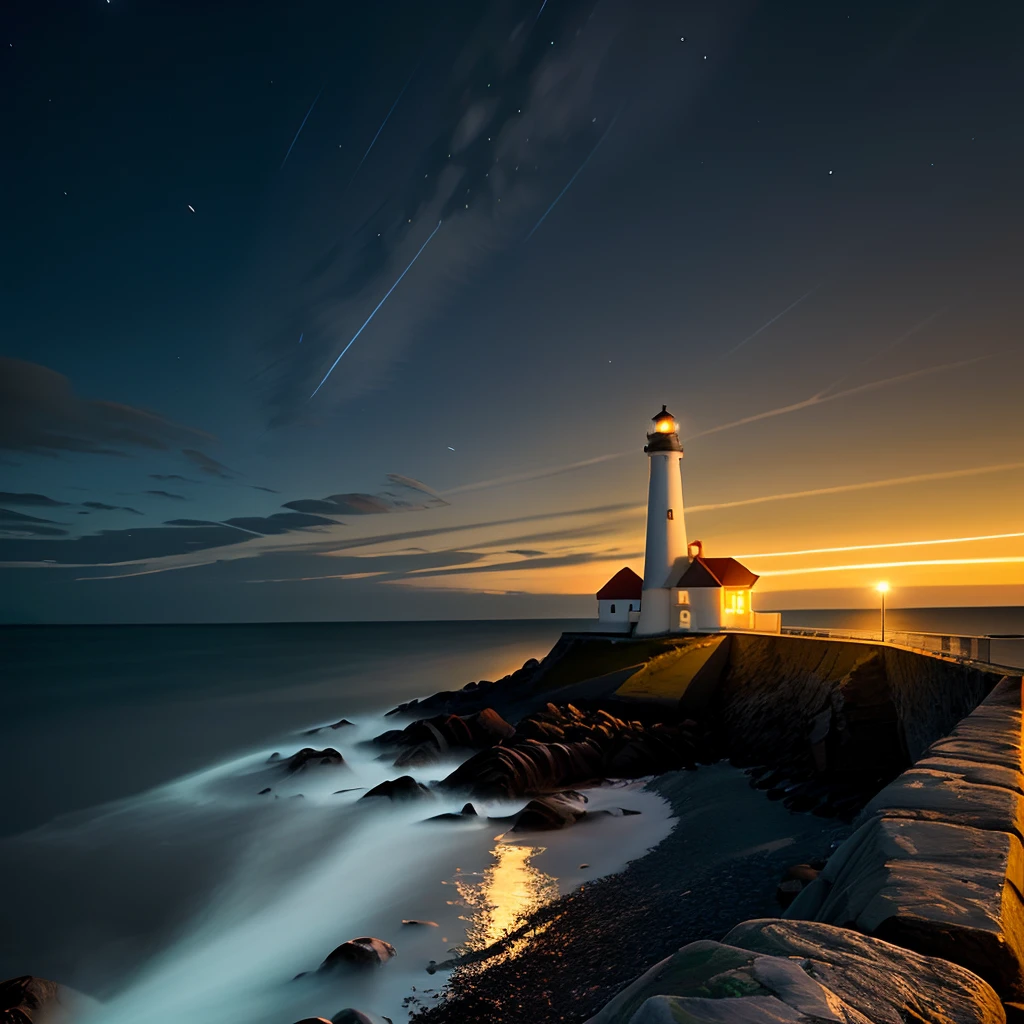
191 207
450 448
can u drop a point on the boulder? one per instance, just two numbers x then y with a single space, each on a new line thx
547 813
31 1000
415 923
365 951
307 756
938 888
467 814
350 1016
405 787
774 971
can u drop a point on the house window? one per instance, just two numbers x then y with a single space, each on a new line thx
630 607
682 597
684 620
670 515
736 602
613 609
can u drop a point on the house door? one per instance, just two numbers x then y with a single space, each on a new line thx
684 620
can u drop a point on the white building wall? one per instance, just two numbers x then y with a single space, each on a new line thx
617 615
666 540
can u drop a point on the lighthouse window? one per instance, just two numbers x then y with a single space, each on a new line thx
613 609
670 514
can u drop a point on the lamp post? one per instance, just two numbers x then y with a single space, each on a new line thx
883 589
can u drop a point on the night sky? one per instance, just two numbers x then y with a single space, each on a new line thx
797 224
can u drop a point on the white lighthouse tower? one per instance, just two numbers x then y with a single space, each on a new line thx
666 551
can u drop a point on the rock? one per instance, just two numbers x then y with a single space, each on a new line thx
787 890
938 888
365 951
467 814
31 1000
413 922
300 760
773 971
403 788
545 814
275 756
351 789
350 1016
341 723
263 792
427 740
313 1020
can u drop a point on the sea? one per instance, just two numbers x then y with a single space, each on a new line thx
146 865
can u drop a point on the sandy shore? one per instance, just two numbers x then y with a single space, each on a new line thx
720 865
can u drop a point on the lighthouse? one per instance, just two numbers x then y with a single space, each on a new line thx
666 551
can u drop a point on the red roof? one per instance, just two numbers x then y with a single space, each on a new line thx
625 585
716 572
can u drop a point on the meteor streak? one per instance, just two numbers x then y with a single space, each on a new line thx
890 544
299 132
821 397
573 178
373 141
949 474
1005 560
778 316
377 307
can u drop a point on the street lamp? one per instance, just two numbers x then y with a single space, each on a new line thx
883 589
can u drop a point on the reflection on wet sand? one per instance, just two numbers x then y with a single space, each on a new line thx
506 893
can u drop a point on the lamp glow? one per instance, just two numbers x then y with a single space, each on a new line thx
883 589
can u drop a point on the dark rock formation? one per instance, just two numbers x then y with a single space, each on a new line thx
468 813
320 728
307 756
403 788
556 748
547 813
350 1016
427 740
365 951
31 1000
414 922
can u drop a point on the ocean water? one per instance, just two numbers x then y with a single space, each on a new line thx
953 621
143 866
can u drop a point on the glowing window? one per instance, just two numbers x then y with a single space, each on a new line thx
684 620
682 597
736 602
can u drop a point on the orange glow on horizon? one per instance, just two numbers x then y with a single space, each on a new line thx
887 544
1004 560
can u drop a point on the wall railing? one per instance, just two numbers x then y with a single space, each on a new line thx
962 648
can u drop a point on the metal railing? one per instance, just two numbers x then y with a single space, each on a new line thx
962 648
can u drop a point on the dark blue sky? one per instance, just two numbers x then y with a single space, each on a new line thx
854 168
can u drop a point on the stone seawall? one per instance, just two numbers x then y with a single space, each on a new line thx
919 914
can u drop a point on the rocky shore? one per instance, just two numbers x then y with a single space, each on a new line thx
721 864
767 750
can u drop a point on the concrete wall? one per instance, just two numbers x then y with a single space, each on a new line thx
937 865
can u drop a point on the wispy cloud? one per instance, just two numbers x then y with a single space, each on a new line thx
822 397
896 481
207 464
888 544
534 474
809 570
